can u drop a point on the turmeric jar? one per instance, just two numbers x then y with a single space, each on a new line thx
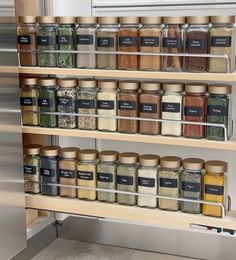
214 187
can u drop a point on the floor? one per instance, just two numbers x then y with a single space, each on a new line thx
62 249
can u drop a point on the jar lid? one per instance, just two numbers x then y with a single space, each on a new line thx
67 83
149 159
27 19
107 84
198 19
87 83
151 20
173 87
129 20
28 81
87 154
216 166
46 19
69 152
128 158
194 164
222 19
32 149
220 89
108 156
87 20
195 88
129 85
50 150
66 19
171 162
174 20
47 82
108 20
151 86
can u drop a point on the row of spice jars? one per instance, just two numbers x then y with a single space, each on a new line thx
127 34
129 101
132 173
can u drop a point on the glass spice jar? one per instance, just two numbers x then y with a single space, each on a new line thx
86 41
66 41
26 34
150 107
214 187
32 168
148 180
191 185
49 170
68 171
87 173
194 106
87 104
128 106
47 41
107 38
48 101
196 42
106 175
173 42
169 180
67 102
219 106
127 177
29 101
150 41
107 105
172 108
128 42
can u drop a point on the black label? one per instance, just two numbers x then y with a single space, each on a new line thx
148 108
67 174
168 183
195 44
105 42
214 190
64 101
125 180
170 107
150 41
217 111
24 39
45 40
191 186
127 105
128 41
28 101
105 177
221 41
45 102
45 172
193 111
82 175
146 182
172 42
65 39
84 103
106 104
29 169
84 39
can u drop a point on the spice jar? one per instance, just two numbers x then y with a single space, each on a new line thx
191 185
49 170
150 107
87 173
219 111
66 41
172 108
214 187
128 106
68 171
196 42
222 42
150 41
86 41
29 101
106 175
147 180
48 101
32 168
107 35
26 34
127 177
67 102
128 42
47 41
169 178
173 36
107 105
194 104
87 104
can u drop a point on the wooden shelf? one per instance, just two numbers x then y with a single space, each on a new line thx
180 141
126 213
230 77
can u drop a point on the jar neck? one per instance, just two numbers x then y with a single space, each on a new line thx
170 169
193 171
87 25
28 24
218 95
128 164
135 25
109 25
129 90
151 26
